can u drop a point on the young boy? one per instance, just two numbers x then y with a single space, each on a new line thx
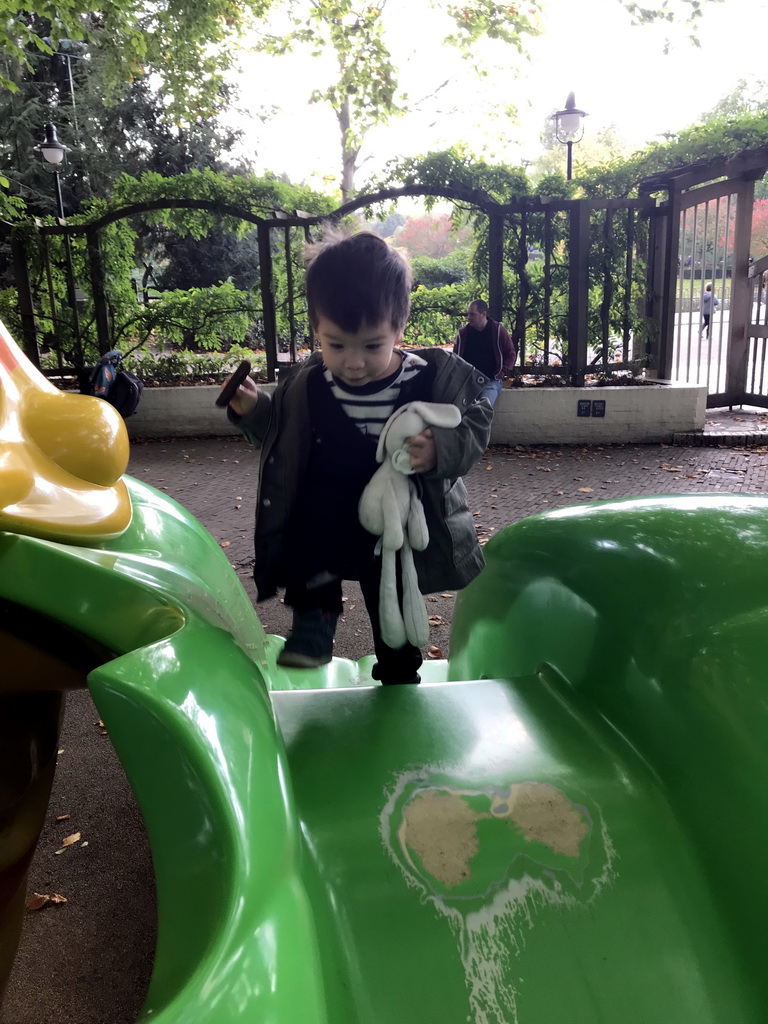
318 434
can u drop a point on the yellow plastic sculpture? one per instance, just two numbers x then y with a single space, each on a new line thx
61 457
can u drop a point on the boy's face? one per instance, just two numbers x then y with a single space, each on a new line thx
358 358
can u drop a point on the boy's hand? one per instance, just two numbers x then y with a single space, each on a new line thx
423 451
245 398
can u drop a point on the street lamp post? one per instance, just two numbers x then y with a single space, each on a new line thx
569 128
54 153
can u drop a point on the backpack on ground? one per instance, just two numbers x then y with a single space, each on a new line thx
119 387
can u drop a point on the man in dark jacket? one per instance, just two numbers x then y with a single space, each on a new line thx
486 345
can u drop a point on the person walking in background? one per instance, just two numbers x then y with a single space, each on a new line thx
709 303
485 344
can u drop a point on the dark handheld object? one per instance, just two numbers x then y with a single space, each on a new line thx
227 393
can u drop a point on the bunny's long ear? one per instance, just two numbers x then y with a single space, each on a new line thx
437 414
386 428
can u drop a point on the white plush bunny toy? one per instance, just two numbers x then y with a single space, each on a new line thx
391 509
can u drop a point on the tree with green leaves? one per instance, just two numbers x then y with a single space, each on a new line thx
357 37
745 98
137 133
189 46
599 148
360 40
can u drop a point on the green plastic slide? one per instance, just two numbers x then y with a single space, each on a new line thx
565 824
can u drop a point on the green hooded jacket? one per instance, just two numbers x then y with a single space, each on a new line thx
280 426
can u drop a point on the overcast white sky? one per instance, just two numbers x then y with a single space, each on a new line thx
619 74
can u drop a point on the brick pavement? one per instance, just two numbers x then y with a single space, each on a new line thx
89 960
216 480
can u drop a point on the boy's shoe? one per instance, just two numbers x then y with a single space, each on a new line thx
310 642
399 671
295 659
413 681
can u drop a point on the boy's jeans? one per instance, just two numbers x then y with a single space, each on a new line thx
393 666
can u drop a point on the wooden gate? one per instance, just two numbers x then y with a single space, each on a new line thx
566 276
589 284
704 292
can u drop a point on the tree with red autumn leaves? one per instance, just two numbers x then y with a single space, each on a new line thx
431 236
759 245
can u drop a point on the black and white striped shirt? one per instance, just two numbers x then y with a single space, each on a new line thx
371 405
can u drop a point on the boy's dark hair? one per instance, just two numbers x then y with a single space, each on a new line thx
357 279
480 305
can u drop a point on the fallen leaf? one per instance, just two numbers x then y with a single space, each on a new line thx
559 492
39 899
586 490
434 652
446 595
436 620
225 544
63 817
74 838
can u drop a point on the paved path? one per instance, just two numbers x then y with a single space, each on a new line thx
88 961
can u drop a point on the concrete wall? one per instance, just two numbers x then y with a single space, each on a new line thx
179 412
644 413
521 415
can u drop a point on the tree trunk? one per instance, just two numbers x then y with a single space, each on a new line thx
349 153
